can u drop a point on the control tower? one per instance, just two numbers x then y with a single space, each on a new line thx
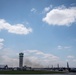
21 60
67 65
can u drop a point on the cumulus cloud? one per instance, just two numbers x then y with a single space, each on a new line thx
61 16
16 29
40 53
32 58
1 43
70 57
36 58
11 62
9 57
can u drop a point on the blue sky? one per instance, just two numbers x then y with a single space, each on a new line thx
43 29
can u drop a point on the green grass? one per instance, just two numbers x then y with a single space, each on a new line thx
30 72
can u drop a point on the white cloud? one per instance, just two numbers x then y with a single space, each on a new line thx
70 56
34 51
9 57
59 47
74 60
63 47
61 16
67 47
1 43
36 58
46 9
1 40
11 62
33 10
16 29
33 58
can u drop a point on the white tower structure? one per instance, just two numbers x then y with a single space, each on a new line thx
21 60
67 65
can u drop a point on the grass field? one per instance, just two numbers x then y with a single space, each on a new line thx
30 72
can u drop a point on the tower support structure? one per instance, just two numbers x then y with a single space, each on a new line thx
21 60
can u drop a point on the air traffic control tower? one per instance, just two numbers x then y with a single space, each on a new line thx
21 60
